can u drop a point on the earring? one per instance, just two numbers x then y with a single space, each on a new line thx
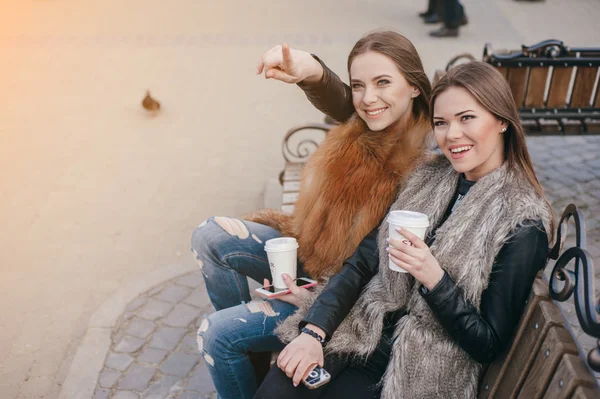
503 130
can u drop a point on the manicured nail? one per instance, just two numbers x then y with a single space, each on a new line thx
388 240
387 249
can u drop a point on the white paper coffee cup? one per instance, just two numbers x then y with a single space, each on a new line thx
415 222
283 258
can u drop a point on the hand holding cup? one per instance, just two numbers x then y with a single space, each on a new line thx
413 255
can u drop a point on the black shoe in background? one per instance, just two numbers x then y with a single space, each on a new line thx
433 19
425 14
464 20
444 32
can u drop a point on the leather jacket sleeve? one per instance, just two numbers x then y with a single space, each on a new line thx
330 95
343 289
485 334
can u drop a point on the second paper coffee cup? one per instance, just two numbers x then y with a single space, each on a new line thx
283 258
415 222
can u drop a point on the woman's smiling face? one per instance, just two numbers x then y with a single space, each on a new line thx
469 135
380 93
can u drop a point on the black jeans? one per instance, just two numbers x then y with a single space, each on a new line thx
350 378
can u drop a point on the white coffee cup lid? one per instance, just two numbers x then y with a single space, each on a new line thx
408 219
281 244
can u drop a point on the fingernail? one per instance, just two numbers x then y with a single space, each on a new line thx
387 249
295 385
387 239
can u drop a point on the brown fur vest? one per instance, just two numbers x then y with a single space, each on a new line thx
347 187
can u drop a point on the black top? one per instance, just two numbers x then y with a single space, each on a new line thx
482 333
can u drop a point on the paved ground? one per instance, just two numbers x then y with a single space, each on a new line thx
154 351
95 193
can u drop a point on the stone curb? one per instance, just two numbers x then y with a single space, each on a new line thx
89 358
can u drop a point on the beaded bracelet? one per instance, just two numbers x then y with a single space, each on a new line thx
316 336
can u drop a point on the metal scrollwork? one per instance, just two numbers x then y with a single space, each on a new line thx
305 147
579 281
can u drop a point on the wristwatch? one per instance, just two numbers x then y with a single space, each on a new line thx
316 336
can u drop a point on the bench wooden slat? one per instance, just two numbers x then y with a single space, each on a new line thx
291 175
592 125
559 87
536 87
584 84
503 71
531 126
585 392
517 78
289 198
571 126
496 370
291 186
597 100
545 316
558 342
570 374
549 126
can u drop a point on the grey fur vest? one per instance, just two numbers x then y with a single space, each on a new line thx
426 362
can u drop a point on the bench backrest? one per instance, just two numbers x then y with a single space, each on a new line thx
552 81
540 76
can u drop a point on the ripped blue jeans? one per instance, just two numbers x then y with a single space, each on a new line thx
226 337
229 250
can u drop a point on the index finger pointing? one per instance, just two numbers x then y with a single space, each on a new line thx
287 56
259 67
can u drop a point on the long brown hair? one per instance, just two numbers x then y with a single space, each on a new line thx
402 52
492 91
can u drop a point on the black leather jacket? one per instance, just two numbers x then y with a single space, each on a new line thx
482 334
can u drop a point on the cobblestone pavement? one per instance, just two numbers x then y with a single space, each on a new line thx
154 353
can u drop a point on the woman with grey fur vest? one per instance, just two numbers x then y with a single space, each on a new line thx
426 333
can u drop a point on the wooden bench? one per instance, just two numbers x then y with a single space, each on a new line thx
544 360
556 87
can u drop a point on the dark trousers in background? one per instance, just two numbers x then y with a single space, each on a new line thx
432 7
452 13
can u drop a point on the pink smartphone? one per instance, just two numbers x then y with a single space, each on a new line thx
271 292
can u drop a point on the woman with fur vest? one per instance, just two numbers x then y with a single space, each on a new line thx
426 333
346 189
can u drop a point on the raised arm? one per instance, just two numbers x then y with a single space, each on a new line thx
324 89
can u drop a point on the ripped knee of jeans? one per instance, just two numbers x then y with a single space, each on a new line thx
200 339
264 307
234 227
